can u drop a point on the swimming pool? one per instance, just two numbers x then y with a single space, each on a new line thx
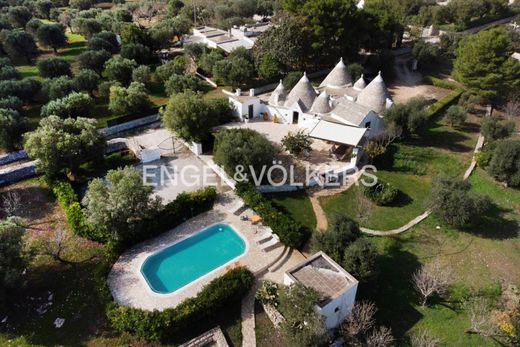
173 267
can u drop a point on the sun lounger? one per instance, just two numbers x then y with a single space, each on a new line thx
237 207
266 235
270 244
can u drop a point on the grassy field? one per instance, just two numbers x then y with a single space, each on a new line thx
481 259
410 166
298 205
30 317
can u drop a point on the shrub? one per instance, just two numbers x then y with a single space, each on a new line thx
453 201
455 115
342 231
296 143
493 129
355 70
291 79
504 164
12 102
68 201
360 259
268 293
381 193
141 74
176 66
291 232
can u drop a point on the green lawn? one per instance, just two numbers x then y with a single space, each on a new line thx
480 262
297 204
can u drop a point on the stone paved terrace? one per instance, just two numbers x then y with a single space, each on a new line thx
129 288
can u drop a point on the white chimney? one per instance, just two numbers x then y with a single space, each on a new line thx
252 92
238 92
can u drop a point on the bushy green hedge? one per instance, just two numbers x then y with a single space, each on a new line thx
291 232
442 104
381 193
68 200
218 295
184 207
441 83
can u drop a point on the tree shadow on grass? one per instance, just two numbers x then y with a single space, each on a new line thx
392 291
494 225
445 139
402 199
36 202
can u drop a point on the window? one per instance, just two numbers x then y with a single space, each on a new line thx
336 310
367 125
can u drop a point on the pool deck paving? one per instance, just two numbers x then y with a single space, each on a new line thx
129 288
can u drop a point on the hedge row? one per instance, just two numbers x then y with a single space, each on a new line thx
291 232
185 206
441 83
192 313
442 104
68 200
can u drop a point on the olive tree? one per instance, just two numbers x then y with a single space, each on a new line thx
455 115
192 118
243 148
303 325
71 106
115 205
52 35
180 83
505 162
19 16
128 100
12 262
94 60
119 69
62 145
87 80
453 201
12 126
431 279
59 87
20 45
54 67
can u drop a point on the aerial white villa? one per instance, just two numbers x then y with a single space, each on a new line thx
338 111
335 286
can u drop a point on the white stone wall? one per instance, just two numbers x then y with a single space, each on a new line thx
339 308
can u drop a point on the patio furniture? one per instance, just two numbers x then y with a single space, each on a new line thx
266 235
270 244
255 219
237 207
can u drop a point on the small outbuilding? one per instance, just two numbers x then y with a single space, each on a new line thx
336 287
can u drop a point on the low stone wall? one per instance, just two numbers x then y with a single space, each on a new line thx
213 337
12 157
130 125
274 315
18 173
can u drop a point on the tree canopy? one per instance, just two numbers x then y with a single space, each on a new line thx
52 35
12 126
117 204
12 262
192 118
71 106
128 100
62 145
485 65
54 67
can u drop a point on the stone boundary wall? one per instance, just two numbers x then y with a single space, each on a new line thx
18 173
130 125
11 157
207 79
213 337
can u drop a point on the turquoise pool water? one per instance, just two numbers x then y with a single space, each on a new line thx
181 263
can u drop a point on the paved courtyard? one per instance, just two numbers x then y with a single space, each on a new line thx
129 287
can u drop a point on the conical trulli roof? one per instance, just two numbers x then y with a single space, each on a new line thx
278 95
374 95
338 77
322 104
303 91
360 83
